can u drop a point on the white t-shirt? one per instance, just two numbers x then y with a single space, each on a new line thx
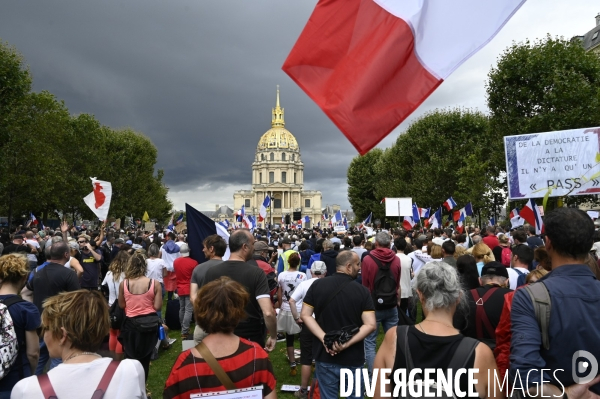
113 286
300 292
405 264
513 276
36 245
155 268
80 380
288 281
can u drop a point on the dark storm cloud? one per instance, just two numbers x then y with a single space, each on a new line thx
199 78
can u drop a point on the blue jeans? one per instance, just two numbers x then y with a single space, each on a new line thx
43 359
388 318
328 376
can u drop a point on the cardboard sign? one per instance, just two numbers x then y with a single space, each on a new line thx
180 227
149 226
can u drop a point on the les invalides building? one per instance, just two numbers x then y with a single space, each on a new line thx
278 171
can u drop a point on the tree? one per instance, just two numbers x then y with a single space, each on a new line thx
443 154
362 183
551 84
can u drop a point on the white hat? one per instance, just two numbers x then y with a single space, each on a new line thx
318 267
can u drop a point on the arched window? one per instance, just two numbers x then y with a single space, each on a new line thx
283 156
272 156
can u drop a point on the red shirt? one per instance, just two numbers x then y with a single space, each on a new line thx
184 266
369 268
491 241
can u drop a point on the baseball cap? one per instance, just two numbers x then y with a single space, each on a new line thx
184 250
318 267
17 237
494 269
260 246
438 241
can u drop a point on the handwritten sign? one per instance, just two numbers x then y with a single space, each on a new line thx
565 162
149 226
180 227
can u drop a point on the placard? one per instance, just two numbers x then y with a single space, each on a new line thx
566 161
243 393
339 229
398 207
180 227
149 226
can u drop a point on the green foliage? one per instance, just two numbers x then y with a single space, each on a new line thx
362 183
47 156
551 84
443 154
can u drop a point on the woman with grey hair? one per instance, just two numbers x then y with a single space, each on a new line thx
435 343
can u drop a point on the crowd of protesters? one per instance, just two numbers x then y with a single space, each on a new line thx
503 301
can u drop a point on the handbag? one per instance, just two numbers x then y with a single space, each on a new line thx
116 315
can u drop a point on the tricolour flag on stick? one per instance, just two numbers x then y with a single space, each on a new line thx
99 199
531 214
460 223
171 225
424 212
337 217
449 204
436 219
513 213
367 220
416 215
33 218
368 64
179 219
468 209
262 214
200 226
492 222
408 223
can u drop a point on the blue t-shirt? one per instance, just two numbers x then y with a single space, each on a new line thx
26 317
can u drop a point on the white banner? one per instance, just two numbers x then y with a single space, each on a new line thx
398 207
567 162
99 199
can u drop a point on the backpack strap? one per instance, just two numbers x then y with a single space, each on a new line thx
11 301
481 317
379 264
105 380
463 353
47 389
215 366
540 297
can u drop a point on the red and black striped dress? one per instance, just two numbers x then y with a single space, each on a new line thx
247 367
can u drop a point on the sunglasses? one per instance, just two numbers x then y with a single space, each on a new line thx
81 242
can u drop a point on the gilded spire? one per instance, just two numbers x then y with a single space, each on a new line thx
277 114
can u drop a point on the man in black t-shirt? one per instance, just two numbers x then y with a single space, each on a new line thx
336 303
48 281
259 309
90 261
485 305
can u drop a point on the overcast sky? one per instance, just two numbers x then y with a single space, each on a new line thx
199 78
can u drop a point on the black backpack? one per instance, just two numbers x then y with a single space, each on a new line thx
385 292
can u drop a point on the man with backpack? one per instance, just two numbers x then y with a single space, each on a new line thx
520 263
485 305
555 320
381 275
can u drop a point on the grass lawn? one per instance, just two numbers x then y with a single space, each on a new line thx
160 369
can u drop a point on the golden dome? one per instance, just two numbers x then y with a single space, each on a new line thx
278 138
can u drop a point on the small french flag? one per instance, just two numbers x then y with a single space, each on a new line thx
449 204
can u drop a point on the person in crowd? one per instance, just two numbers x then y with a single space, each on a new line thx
482 254
156 268
573 323
459 251
141 298
485 305
19 246
503 330
214 248
519 237
317 255
219 307
502 253
74 261
90 261
46 282
328 256
113 279
490 238
434 341
25 316
305 254
283 264
259 308
467 271
405 274
533 240
318 271
520 263
541 259
32 257
184 267
358 247
288 281
336 303
434 252
170 252
448 249
385 295
75 325
419 242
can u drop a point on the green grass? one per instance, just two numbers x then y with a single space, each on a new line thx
160 369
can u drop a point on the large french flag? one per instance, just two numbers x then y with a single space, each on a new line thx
408 223
449 204
532 215
370 63
200 226
262 214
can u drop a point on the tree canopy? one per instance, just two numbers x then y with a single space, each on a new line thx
47 155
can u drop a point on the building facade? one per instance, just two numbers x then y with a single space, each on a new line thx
591 40
278 171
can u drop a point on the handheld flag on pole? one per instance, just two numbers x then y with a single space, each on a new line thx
492 222
468 209
179 219
146 218
33 218
262 214
337 217
99 199
416 215
531 214
199 227
306 219
449 204
408 223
